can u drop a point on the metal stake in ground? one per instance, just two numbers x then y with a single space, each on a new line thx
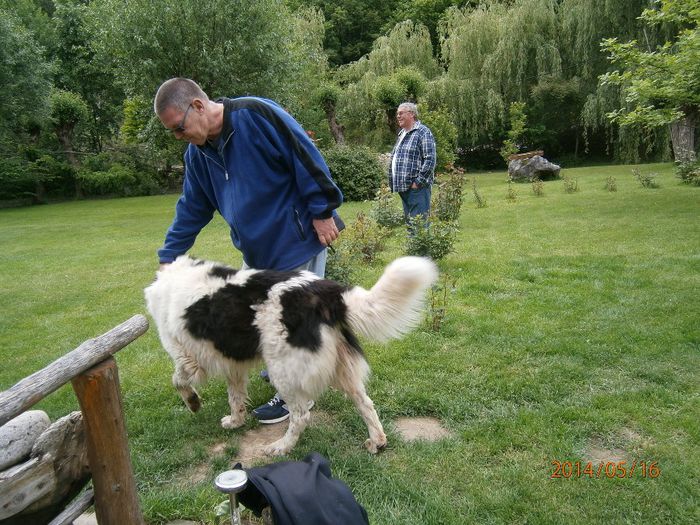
232 482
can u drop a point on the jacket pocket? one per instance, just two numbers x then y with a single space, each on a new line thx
296 219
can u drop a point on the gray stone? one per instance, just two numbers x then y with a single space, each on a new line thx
534 167
18 435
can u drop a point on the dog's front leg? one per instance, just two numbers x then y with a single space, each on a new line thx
237 395
299 417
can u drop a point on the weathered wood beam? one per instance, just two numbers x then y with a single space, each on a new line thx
35 387
116 499
73 511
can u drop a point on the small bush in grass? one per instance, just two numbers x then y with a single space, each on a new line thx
611 183
384 210
447 200
439 299
570 185
432 238
688 172
365 237
647 180
537 187
478 197
356 171
511 194
339 264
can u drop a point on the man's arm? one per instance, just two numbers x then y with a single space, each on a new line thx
192 213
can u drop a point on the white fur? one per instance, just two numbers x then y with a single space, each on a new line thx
388 310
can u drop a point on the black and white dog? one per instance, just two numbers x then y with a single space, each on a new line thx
217 321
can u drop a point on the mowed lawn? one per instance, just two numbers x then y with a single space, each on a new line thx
571 335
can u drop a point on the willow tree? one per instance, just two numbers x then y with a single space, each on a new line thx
398 65
495 54
661 87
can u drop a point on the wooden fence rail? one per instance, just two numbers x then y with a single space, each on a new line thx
93 373
35 387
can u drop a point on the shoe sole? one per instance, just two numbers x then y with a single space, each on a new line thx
272 421
280 419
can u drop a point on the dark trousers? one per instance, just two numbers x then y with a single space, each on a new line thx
416 202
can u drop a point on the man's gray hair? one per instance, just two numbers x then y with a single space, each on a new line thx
177 93
410 107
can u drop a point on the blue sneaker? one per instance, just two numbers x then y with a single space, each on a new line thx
274 411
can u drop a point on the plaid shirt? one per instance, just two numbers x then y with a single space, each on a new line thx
414 159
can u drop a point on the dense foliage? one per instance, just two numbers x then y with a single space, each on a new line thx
356 171
590 79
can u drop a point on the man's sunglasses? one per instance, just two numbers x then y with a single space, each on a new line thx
181 126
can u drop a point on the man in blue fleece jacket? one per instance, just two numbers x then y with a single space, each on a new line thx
252 162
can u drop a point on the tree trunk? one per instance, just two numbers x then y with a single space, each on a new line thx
391 121
337 130
683 138
65 137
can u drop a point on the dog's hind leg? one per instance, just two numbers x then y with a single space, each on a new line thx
237 395
350 375
299 418
186 370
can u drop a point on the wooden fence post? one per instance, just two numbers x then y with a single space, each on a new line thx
116 499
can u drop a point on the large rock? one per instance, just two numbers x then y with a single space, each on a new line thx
535 167
18 435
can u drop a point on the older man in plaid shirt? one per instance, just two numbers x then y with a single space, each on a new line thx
412 169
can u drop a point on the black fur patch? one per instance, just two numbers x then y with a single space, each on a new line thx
226 318
222 271
304 309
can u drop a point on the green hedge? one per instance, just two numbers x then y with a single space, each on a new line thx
356 170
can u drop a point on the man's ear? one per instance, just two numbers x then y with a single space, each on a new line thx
199 105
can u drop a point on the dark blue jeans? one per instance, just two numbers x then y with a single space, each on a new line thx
416 202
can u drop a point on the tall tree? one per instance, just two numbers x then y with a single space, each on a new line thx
81 70
231 47
661 87
351 25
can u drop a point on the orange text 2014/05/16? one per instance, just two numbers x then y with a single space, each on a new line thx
605 469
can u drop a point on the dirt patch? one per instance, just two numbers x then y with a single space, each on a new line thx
598 452
251 444
420 428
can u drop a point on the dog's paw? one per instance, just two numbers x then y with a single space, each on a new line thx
276 449
232 422
193 402
373 447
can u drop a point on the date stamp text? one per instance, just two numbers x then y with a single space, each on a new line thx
605 469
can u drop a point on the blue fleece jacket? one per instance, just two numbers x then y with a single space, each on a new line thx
268 181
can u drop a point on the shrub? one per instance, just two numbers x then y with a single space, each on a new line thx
15 179
647 180
688 172
117 180
365 237
611 183
570 185
356 171
445 132
511 194
478 197
384 210
434 238
537 187
339 264
447 200
439 299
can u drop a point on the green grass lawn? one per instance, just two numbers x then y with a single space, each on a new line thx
572 330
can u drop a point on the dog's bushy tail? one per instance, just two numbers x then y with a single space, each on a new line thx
394 305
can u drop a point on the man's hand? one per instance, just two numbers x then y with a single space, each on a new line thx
162 266
326 230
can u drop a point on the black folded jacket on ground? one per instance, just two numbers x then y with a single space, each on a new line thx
302 493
